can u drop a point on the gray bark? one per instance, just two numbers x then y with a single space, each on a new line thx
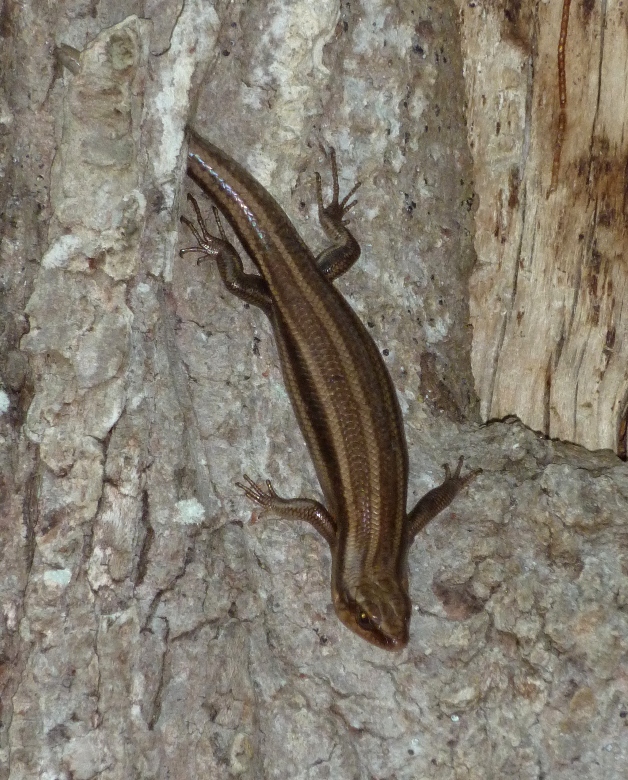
148 629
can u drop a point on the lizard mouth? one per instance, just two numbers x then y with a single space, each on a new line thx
366 628
385 641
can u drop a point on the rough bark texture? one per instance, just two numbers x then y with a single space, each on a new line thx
147 629
548 129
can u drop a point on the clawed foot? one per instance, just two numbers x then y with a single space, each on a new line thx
253 491
439 498
290 508
336 210
455 479
208 246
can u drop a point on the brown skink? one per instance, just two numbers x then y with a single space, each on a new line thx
340 390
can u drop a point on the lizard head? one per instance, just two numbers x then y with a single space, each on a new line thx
377 611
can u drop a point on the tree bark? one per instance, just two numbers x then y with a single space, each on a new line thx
148 628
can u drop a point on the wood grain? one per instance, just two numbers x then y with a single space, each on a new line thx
547 122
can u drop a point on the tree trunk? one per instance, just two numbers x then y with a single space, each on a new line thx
548 129
148 628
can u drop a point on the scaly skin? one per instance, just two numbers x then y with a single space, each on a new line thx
340 390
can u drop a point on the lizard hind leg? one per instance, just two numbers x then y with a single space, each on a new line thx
345 250
250 288
207 245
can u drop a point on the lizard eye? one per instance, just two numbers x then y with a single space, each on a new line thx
364 621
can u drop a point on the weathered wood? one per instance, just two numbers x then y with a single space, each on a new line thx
549 290
147 628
